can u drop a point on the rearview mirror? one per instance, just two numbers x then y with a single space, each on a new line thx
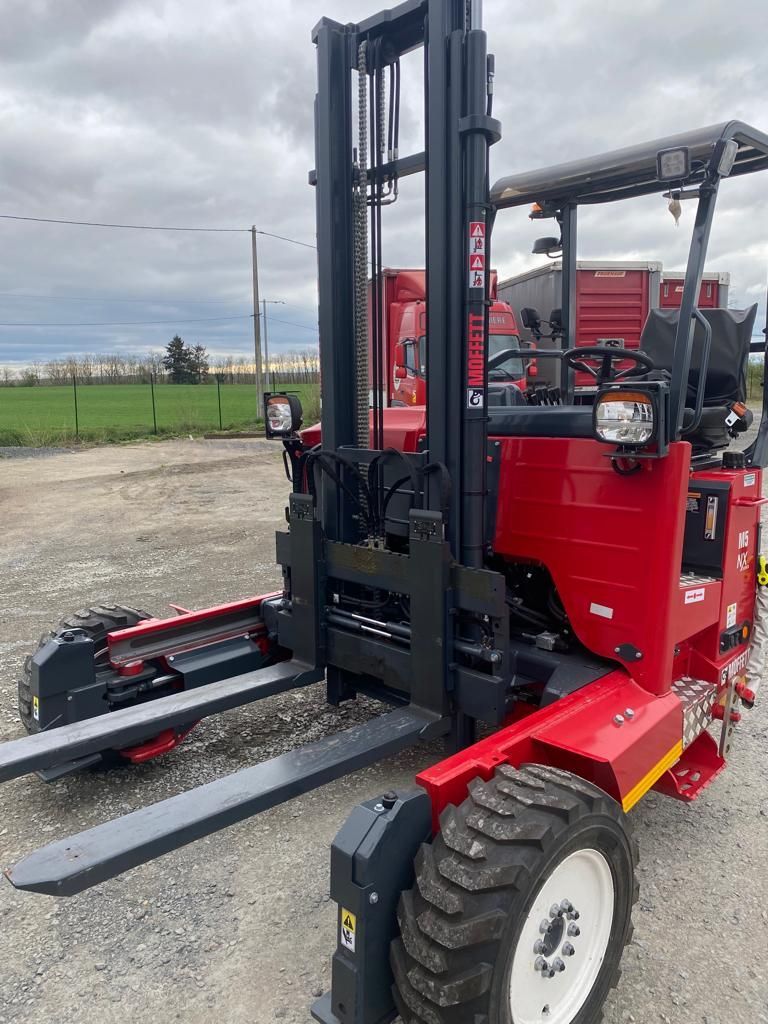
548 246
556 320
400 373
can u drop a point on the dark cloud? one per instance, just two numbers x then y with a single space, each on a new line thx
179 111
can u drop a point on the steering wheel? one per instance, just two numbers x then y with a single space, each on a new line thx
574 357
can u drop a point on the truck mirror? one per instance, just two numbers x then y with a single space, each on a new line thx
556 320
530 318
400 373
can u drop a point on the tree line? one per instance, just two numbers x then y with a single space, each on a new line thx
180 363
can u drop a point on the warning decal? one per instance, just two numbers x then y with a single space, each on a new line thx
476 266
36 708
694 596
348 929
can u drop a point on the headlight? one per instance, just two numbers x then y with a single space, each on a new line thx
625 418
282 415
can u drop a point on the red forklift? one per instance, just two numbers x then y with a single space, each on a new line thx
570 596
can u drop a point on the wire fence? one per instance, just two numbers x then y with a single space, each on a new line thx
135 406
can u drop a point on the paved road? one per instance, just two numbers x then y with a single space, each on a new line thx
240 926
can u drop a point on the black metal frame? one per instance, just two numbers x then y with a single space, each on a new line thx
626 174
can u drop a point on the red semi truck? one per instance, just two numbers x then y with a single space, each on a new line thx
405 308
613 300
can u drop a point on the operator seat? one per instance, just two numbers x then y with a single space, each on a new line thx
726 381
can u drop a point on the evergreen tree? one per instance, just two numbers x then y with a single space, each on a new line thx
178 361
199 364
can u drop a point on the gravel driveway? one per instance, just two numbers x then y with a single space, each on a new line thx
240 925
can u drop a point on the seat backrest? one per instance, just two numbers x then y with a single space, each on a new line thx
731 334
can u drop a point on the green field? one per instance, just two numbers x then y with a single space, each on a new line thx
45 415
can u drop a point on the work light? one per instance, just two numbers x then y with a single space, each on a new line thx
282 415
625 418
673 164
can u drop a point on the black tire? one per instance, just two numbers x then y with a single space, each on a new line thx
477 881
97 622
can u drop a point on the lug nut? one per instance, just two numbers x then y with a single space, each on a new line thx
574 915
568 949
554 910
544 926
566 906
539 947
540 964
558 964
573 930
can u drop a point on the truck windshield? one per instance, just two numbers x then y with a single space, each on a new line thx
512 368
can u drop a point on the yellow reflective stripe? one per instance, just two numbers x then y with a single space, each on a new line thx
653 776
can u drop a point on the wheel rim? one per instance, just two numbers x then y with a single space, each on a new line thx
563 941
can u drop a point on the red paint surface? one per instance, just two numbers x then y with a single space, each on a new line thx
577 734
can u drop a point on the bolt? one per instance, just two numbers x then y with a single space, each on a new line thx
379 808
618 719
574 931
558 964
568 949
638 655
172 657
539 946
540 964
389 800
617 650
545 1010
629 713
566 906
373 899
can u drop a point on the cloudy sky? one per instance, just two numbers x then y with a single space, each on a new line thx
193 113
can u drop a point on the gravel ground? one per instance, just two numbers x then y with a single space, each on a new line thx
240 924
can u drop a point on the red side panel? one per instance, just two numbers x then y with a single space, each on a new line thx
613 544
610 304
581 734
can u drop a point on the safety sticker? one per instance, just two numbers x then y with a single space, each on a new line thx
36 708
602 610
477 262
730 616
694 596
348 929
476 229
475 398
749 479
477 279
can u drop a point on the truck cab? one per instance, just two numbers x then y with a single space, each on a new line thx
409 378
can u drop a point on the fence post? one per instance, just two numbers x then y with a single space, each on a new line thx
74 393
218 393
152 392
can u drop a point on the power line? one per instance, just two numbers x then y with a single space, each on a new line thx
153 227
148 323
132 323
108 298
145 302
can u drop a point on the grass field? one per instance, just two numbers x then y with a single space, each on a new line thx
110 412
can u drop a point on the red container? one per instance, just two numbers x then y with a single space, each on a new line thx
713 293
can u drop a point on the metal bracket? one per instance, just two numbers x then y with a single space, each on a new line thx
371 863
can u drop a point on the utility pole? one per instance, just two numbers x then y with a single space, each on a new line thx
257 326
275 302
266 348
